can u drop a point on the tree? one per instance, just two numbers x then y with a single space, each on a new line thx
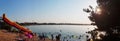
3 25
107 18
0 22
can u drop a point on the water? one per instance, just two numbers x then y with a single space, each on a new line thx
69 32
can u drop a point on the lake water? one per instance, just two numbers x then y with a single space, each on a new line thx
66 31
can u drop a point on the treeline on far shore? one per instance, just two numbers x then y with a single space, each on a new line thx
34 23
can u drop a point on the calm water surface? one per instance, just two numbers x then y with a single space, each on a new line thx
64 30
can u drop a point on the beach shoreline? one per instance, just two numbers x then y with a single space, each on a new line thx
11 36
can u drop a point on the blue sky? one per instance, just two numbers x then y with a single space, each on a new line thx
55 11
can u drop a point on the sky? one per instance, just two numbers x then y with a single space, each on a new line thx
46 11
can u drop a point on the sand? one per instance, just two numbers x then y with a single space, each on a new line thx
10 36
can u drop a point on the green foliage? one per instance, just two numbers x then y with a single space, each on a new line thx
5 26
14 30
107 20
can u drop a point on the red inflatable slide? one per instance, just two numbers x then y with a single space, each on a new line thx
14 24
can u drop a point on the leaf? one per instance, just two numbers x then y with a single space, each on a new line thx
87 10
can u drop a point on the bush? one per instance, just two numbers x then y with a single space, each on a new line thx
15 30
5 26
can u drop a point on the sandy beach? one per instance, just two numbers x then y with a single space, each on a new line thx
10 36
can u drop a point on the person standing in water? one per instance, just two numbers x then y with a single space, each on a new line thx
52 37
58 37
43 36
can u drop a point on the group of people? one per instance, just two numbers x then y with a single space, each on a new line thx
43 37
57 37
52 37
20 37
23 37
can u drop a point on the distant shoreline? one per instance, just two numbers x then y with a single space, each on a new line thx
52 24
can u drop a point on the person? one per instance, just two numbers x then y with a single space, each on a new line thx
43 36
21 37
64 38
29 35
58 37
52 36
80 37
40 37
